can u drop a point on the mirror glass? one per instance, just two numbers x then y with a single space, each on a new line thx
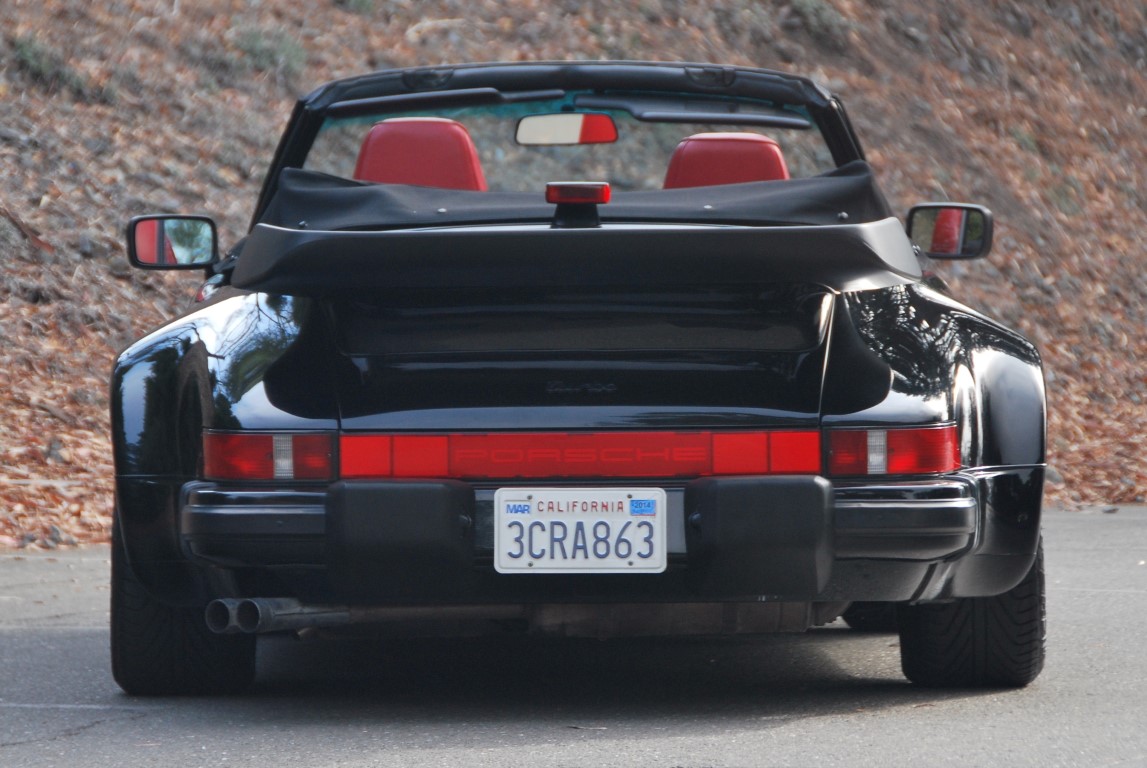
565 129
949 232
173 241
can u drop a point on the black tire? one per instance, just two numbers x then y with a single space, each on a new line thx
977 642
164 650
871 617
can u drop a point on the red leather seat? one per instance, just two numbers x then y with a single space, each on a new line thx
708 159
423 151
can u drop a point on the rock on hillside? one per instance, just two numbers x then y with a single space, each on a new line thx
126 106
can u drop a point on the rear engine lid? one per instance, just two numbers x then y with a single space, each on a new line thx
570 358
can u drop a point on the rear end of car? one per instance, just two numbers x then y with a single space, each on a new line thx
559 445
438 390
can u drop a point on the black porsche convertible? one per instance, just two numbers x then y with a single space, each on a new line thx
579 349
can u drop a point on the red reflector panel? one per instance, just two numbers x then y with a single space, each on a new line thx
535 455
421 456
740 453
577 192
601 454
363 456
266 456
794 453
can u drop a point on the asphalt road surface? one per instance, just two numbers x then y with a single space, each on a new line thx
829 697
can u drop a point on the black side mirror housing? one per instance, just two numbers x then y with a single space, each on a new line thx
951 230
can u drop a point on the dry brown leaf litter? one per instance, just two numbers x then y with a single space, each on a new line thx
118 108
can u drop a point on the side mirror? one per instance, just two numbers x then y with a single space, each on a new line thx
566 128
951 230
172 242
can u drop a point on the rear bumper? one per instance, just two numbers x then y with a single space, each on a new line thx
782 538
918 521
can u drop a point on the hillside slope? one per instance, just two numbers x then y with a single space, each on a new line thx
128 106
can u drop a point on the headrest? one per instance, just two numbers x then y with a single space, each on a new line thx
708 159
423 151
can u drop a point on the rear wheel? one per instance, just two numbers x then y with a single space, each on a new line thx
977 641
164 650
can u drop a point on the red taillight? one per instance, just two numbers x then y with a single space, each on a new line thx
900 451
233 456
267 456
848 452
312 459
534 455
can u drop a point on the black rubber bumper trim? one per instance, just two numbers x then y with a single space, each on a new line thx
759 535
270 520
908 522
404 539
253 527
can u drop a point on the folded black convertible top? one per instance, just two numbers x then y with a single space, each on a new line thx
312 200
313 262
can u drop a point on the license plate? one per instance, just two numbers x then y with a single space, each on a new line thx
580 530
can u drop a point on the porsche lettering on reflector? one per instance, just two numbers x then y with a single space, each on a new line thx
580 530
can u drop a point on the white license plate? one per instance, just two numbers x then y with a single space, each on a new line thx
580 530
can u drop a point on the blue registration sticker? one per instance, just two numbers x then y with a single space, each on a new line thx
642 507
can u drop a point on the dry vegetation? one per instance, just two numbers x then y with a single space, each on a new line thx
120 107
